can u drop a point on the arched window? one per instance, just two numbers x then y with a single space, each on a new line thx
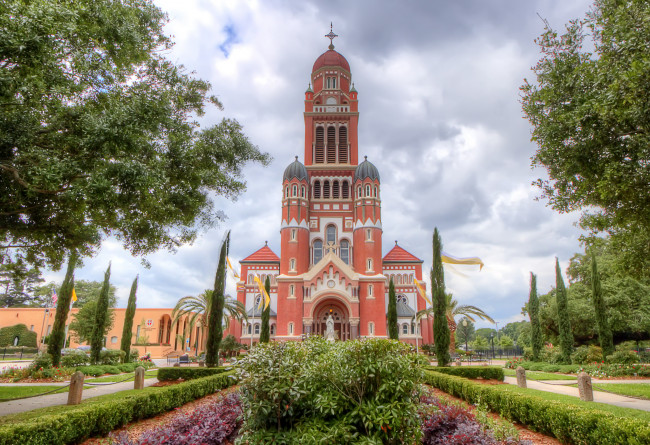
405 329
371 328
326 189
375 191
318 251
359 192
345 251
292 264
330 233
319 147
286 192
368 234
273 329
290 328
343 145
257 329
250 278
398 279
302 192
368 195
317 190
250 326
369 264
335 190
370 289
294 234
292 290
331 144
295 190
345 190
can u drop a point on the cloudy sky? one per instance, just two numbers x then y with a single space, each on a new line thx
440 117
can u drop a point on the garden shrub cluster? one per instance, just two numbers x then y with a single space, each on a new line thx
316 392
211 423
71 358
97 370
569 423
472 372
112 356
167 374
100 417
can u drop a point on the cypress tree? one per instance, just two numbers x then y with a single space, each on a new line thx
101 318
57 336
441 335
127 331
564 324
391 316
533 313
604 332
215 318
265 333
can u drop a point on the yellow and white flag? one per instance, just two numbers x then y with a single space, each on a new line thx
266 299
422 292
450 259
74 295
231 268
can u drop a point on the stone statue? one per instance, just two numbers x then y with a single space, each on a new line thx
330 335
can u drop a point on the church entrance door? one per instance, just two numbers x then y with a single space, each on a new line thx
340 316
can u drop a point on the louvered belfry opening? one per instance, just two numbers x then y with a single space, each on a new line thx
317 190
319 155
343 145
331 144
326 189
345 191
335 190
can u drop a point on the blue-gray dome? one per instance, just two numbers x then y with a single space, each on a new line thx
366 170
295 170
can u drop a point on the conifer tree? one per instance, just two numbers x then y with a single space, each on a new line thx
57 336
265 333
564 324
441 334
101 318
391 316
127 330
215 318
533 312
604 332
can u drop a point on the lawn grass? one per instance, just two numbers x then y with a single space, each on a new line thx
120 377
537 375
624 389
16 392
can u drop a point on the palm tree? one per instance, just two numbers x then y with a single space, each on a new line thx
197 308
454 310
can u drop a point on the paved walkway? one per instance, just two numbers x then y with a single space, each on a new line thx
560 387
19 406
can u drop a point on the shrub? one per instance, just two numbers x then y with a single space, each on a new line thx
127 367
134 354
214 423
168 374
94 371
552 355
361 391
623 357
551 368
101 417
109 369
472 372
42 360
587 354
111 357
568 423
73 358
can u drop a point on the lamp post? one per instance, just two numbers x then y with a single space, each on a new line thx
492 341
465 334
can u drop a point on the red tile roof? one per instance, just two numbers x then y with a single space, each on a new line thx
399 254
265 254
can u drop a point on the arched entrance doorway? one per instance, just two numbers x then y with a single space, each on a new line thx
340 315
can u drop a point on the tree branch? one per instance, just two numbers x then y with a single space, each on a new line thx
25 184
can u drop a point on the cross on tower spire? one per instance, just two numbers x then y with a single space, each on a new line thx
331 36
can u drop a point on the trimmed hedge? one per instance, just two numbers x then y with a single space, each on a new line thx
25 336
166 374
102 417
472 372
569 423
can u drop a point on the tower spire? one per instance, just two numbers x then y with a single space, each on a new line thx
331 36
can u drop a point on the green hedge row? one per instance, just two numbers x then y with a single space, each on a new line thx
471 372
569 423
101 417
165 374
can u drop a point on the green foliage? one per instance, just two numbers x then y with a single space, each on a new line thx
569 423
18 285
465 334
441 334
480 344
169 374
215 327
352 392
102 320
506 342
563 321
25 336
588 108
587 354
83 322
623 357
472 372
391 315
74 424
230 346
265 330
486 333
42 361
99 133
111 357
604 332
537 342
127 330
57 336
74 358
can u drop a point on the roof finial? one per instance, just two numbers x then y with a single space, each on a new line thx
396 242
266 243
365 157
296 157
331 36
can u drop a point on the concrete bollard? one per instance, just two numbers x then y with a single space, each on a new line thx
76 388
201 364
458 362
138 382
584 387
521 377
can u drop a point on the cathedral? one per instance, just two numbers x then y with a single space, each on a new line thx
331 266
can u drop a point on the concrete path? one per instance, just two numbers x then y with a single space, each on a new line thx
560 387
19 406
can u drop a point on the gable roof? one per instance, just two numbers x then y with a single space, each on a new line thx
397 254
264 255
